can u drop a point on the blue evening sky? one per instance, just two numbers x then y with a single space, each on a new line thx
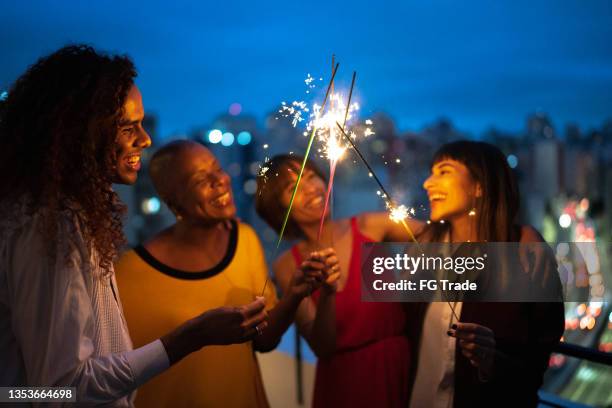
479 63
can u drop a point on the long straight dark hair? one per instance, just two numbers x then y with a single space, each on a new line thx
497 208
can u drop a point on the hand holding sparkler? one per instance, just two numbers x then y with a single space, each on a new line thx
320 269
299 178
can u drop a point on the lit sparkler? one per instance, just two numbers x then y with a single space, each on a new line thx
398 214
334 148
300 107
297 183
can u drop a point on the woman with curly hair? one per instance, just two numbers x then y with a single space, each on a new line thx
69 128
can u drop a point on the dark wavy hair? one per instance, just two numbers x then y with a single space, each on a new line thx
58 131
497 209
270 186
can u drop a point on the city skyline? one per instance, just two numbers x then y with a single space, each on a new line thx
477 64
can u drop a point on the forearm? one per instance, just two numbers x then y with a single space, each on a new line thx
322 336
180 342
281 317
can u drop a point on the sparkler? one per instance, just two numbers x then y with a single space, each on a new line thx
398 213
297 183
335 150
299 178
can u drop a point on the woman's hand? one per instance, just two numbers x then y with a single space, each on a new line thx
320 269
331 270
221 326
477 344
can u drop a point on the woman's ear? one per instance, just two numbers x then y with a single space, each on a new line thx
478 192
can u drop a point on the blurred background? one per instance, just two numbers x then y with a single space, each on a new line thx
532 77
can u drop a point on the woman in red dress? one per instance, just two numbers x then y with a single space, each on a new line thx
362 348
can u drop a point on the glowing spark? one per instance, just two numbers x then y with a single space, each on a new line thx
325 123
334 151
263 170
368 122
296 111
265 146
398 214
368 132
310 84
397 160
386 196
297 183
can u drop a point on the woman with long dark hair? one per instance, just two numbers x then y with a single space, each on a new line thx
496 354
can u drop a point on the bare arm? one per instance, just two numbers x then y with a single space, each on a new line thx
281 317
316 322
379 227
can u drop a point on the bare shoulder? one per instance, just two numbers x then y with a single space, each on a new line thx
372 223
282 267
283 263
366 219
530 234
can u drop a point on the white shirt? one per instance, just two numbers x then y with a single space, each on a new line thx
434 384
61 323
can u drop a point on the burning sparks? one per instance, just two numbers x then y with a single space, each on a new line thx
323 121
397 214
309 81
297 183
334 151
294 111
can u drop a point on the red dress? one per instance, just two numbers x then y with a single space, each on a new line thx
370 367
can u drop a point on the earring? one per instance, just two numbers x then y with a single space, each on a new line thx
472 212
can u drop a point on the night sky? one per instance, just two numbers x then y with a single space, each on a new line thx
478 63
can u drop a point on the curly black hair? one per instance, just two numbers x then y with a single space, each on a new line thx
58 130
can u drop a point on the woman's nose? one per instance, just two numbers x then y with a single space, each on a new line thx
428 183
221 179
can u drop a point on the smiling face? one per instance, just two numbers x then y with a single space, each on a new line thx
204 192
310 197
451 189
131 139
